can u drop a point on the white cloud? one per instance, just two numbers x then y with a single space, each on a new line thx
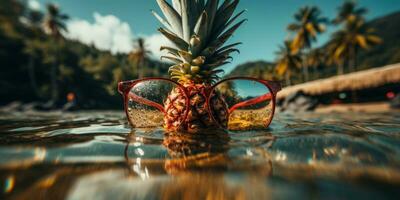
105 33
154 42
108 32
34 4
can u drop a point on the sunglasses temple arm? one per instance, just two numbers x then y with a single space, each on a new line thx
250 102
146 102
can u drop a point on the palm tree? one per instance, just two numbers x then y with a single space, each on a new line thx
287 62
54 24
55 21
308 25
315 58
33 19
345 43
139 55
354 35
349 11
333 55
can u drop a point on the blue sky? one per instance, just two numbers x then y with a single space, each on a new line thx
261 35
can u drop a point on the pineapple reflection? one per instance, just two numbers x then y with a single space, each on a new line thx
213 186
197 165
185 152
196 152
196 168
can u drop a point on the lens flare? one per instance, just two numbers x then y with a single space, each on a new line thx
9 184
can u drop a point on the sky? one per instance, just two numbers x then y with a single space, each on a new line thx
113 24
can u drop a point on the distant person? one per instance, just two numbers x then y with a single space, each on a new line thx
71 102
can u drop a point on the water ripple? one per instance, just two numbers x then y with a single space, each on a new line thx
304 153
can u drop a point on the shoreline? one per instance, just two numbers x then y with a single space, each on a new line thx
380 107
376 77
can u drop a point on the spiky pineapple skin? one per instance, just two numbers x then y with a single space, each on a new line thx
198 117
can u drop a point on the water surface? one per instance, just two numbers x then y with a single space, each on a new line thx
95 155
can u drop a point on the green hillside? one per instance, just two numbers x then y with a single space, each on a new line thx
256 69
388 28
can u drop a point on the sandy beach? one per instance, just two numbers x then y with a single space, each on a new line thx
360 107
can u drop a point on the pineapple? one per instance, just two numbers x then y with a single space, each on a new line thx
198 29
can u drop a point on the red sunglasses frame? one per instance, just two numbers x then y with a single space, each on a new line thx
125 87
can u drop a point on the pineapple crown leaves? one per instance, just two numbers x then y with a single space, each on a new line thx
198 29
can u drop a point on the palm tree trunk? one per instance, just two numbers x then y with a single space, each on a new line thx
352 59
352 64
142 63
138 71
139 68
305 67
134 68
340 68
305 71
355 58
32 77
315 72
287 78
53 77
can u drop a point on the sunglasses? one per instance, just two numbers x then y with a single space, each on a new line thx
247 103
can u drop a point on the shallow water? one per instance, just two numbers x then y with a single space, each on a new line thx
95 155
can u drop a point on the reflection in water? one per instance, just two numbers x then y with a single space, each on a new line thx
185 153
94 156
39 154
113 185
195 162
184 145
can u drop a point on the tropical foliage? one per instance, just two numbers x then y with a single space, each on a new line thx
355 45
354 35
28 55
309 23
348 11
288 61
54 24
138 57
38 64
316 59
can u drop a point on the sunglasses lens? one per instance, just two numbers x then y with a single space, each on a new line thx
148 99
249 103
